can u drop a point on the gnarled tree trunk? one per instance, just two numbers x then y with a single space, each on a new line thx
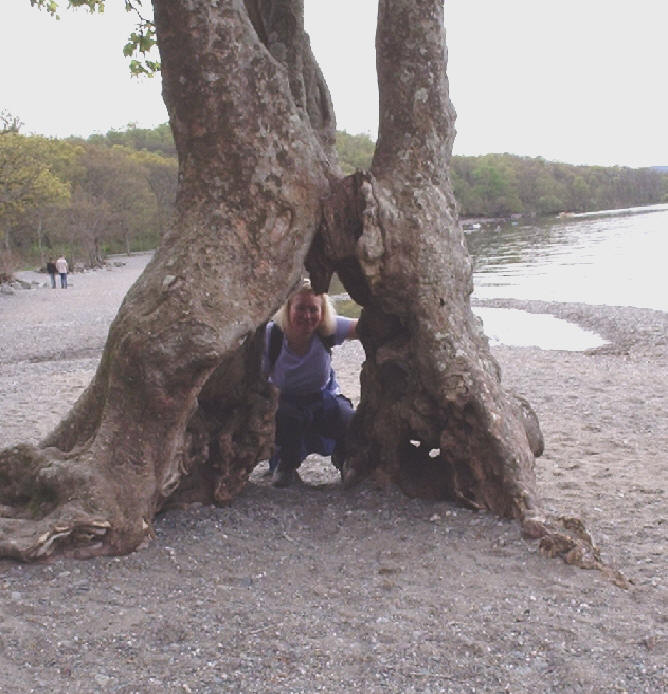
177 408
433 415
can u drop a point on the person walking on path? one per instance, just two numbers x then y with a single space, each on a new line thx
52 270
61 267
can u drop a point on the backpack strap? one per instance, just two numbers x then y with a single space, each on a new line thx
276 344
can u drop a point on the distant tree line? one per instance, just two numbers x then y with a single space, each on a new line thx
84 198
115 192
499 185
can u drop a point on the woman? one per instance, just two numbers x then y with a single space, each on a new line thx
312 415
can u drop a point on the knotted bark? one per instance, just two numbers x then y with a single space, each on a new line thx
433 416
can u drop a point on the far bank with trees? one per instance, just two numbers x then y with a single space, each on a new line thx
114 192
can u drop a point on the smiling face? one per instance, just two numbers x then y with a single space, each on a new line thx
305 314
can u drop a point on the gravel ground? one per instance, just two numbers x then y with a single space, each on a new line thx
311 588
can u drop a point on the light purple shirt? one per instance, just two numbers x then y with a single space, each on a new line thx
308 374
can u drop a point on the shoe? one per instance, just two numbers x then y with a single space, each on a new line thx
274 462
338 458
283 477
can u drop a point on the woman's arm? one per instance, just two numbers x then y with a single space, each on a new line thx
346 329
352 330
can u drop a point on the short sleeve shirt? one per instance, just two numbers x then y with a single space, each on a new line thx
306 374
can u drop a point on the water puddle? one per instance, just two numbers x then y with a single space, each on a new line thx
511 326
514 327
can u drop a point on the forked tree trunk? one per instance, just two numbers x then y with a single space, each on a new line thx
177 409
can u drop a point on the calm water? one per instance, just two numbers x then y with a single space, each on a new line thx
614 258
510 326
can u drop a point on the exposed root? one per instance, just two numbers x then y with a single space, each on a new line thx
37 540
51 503
573 543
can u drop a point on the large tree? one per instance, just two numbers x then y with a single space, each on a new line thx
178 408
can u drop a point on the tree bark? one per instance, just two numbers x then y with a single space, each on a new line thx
178 409
433 416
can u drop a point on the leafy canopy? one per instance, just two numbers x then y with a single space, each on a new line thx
140 42
28 173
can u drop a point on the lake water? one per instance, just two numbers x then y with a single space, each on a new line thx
614 258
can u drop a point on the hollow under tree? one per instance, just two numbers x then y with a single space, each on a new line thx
178 409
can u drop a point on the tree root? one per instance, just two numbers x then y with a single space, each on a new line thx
53 503
34 540
567 537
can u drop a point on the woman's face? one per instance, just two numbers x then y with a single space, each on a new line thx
305 313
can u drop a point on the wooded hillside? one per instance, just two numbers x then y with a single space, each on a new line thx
498 185
115 192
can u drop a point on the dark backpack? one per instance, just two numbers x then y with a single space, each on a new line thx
276 344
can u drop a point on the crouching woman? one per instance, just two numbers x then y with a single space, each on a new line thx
313 415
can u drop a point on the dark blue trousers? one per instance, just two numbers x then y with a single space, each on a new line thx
310 424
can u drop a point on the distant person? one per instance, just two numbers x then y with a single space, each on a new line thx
61 267
52 270
312 416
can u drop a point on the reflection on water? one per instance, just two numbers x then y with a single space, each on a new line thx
614 258
510 326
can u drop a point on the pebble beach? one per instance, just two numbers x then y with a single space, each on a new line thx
313 588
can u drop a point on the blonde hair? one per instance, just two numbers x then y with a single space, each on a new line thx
327 324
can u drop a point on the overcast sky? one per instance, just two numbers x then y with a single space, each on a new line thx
580 81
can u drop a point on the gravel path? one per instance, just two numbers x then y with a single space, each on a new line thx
311 588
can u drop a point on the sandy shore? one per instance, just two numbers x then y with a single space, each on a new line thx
315 589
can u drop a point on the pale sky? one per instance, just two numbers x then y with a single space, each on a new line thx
579 81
